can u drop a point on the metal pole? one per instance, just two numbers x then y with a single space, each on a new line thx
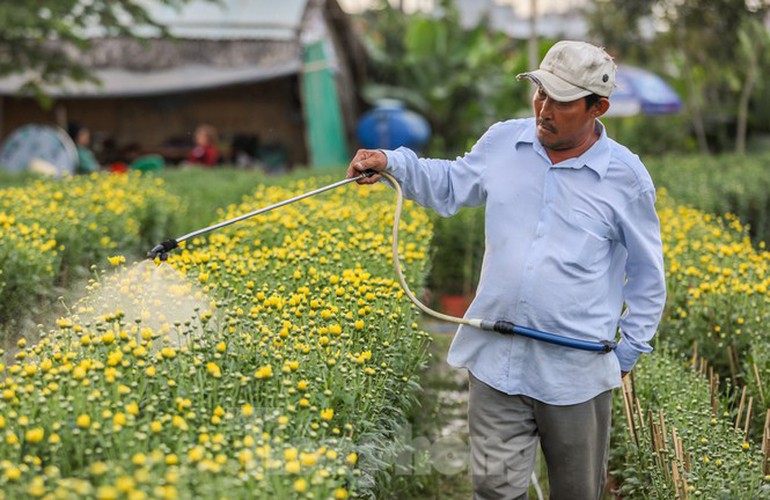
162 249
267 209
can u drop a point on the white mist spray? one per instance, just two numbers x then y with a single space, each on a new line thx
155 297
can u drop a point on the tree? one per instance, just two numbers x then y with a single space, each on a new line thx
754 42
461 80
623 27
698 43
39 39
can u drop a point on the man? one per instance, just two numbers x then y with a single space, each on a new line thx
571 234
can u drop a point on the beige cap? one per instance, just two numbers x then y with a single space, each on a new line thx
571 70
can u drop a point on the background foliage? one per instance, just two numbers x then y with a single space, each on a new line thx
719 184
433 63
716 55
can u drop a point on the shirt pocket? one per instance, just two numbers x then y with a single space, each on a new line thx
589 244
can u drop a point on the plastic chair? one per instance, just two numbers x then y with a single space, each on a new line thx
148 163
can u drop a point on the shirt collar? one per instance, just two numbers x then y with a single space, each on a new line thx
597 158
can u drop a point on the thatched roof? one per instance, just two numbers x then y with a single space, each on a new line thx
131 67
164 54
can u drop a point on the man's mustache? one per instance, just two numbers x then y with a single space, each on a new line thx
546 125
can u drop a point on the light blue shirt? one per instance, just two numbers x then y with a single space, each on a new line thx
566 246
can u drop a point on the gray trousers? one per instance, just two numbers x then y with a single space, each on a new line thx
504 433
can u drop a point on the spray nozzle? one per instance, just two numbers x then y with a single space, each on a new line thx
162 249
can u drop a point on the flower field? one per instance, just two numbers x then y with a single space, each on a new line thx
287 385
50 228
695 414
298 363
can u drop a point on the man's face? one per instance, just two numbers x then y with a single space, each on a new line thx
562 125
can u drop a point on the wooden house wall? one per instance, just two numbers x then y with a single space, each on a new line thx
271 110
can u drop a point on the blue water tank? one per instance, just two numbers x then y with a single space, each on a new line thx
390 125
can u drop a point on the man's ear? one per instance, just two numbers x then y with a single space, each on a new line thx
601 107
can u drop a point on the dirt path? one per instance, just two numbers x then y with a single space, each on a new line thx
42 315
444 421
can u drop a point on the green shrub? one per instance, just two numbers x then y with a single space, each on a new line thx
458 249
652 135
54 229
737 184
207 191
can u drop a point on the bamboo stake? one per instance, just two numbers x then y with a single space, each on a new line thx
675 474
656 448
713 383
684 487
677 442
766 443
629 412
639 413
679 454
740 409
748 420
662 445
673 440
759 384
655 439
653 432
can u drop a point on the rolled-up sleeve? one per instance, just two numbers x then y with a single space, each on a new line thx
645 289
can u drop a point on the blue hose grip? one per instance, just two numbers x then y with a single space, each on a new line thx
506 327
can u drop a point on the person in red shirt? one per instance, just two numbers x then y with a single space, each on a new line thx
205 151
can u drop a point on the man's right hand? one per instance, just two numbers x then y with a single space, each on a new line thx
367 159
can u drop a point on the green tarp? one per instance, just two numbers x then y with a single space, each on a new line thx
326 130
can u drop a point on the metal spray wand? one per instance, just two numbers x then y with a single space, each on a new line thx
505 327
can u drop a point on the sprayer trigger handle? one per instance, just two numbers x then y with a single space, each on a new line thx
369 173
162 249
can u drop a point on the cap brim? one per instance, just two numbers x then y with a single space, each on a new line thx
557 88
